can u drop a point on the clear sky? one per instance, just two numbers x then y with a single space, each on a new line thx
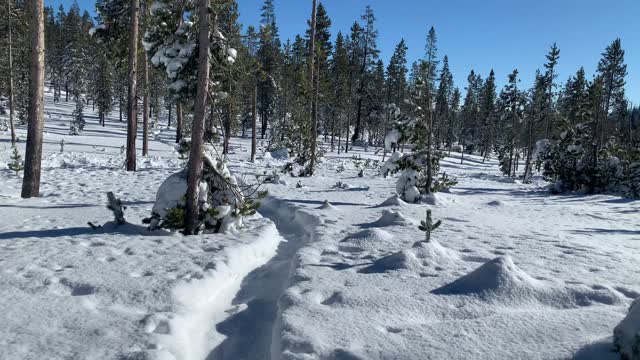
481 34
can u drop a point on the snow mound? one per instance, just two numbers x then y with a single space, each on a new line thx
394 200
327 206
626 336
421 256
499 275
391 218
501 281
170 194
373 239
495 203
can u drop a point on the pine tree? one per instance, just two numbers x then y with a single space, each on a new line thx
550 76
77 118
511 115
340 84
366 39
104 88
470 116
613 71
487 103
397 75
428 226
443 99
268 55
16 164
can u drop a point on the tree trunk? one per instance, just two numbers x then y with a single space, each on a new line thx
11 97
145 105
179 120
132 103
313 99
169 119
33 155
197 131
254 122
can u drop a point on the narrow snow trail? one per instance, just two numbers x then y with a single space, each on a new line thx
253 329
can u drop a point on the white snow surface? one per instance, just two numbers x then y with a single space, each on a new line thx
325 272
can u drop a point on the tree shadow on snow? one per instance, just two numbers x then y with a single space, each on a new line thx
600 350
108 228
590 231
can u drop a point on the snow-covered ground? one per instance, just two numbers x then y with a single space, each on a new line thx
326 271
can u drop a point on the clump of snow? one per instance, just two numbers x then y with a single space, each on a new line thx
421 256
626 336
170 194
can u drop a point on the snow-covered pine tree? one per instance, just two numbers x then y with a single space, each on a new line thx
77 117
104 94
174 41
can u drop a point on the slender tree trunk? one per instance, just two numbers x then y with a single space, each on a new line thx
120 107
132 102
254 122
339 138
313 99
169 119
11 97
179 121
145 105
197 131
33 155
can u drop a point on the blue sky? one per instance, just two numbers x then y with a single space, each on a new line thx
481 35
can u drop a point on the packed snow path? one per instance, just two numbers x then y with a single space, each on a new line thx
253 329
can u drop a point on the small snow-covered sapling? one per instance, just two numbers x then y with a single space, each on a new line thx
114 204
428 226
62 145
17 164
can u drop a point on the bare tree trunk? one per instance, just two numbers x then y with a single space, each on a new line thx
132 102
11 97
169 119
33 155
145 105
254 122
179 120
313 99
197 131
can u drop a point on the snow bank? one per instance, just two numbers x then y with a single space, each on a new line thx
626 336
188 333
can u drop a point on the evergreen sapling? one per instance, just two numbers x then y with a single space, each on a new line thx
428 226
17 164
